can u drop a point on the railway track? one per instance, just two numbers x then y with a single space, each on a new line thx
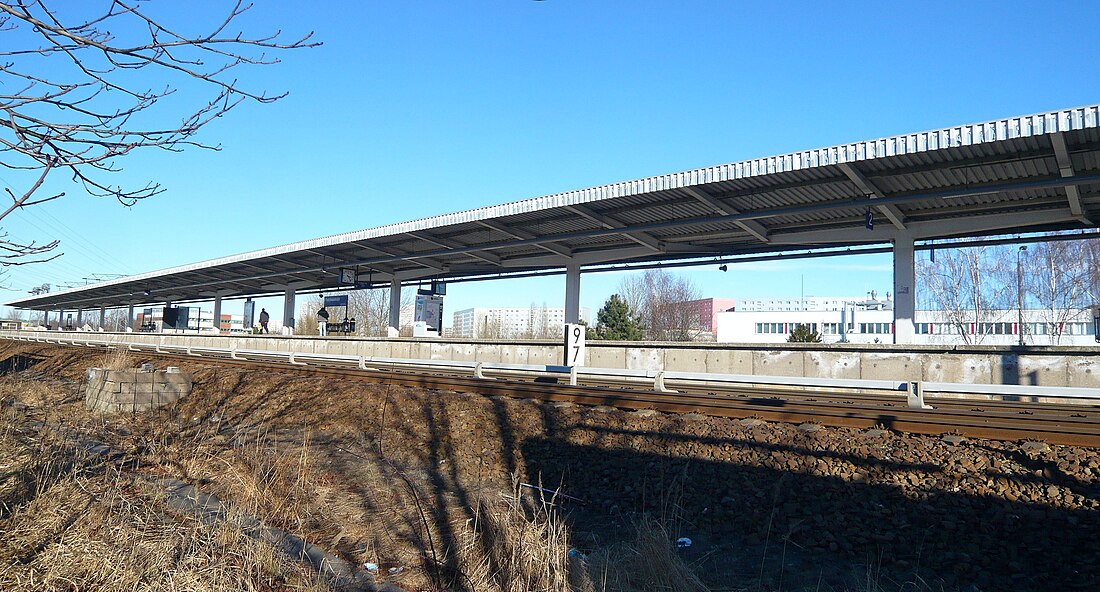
1072 424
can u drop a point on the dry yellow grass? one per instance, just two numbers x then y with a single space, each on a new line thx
70 521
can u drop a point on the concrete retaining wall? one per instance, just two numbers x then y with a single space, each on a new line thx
1030 365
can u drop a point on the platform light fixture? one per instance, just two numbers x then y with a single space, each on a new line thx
723 267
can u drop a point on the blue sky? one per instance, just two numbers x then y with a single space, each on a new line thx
413 109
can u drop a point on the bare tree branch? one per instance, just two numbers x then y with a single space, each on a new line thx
73 101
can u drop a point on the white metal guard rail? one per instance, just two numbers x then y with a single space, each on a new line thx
663 381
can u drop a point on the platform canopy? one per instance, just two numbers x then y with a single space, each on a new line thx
1019 174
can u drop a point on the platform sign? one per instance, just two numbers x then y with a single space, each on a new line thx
249 315
574 345
341 300
429 309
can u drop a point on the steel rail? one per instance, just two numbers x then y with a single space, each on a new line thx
1066 424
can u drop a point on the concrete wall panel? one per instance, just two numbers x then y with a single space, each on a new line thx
605 357
821 364
398 349
463 352
1043 370
513 354
420 350
969 368
544 355
645 358
686 360
1083 371
487 354
777 363
728 361
890 366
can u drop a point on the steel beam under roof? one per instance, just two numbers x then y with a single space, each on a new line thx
1030 173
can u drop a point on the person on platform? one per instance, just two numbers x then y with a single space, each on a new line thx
322 322
264 319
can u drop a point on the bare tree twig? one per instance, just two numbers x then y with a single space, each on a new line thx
74 102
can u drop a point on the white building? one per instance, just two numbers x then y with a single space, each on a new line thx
870 300
857 323
197 320
510 323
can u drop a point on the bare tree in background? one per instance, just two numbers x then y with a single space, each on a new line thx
1090 258
369 308
969 285
1058 275
659 299
85 84
118 319
306 322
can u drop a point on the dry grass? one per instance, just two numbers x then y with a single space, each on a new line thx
647 563
517 545
68 521
117 359
507 548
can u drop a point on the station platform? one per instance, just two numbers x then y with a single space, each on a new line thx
1052 366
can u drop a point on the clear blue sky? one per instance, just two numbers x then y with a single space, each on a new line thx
413 109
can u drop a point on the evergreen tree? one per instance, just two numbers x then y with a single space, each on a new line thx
803 334
614 321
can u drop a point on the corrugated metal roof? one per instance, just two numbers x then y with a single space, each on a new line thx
783 194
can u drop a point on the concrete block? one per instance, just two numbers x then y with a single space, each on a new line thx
463 352
1043 370
966 368
439 351
686 360
777 363
729 361
420 350
487 353
400 349
138 391
826 364
604 357
366 349
544 355
890 366
1083 371
514 354
645 358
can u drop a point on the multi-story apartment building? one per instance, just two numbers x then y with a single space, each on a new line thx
510 323
706 311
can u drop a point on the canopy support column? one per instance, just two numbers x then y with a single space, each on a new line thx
217 314
905 288
572 293
395 308
102 317
288 310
